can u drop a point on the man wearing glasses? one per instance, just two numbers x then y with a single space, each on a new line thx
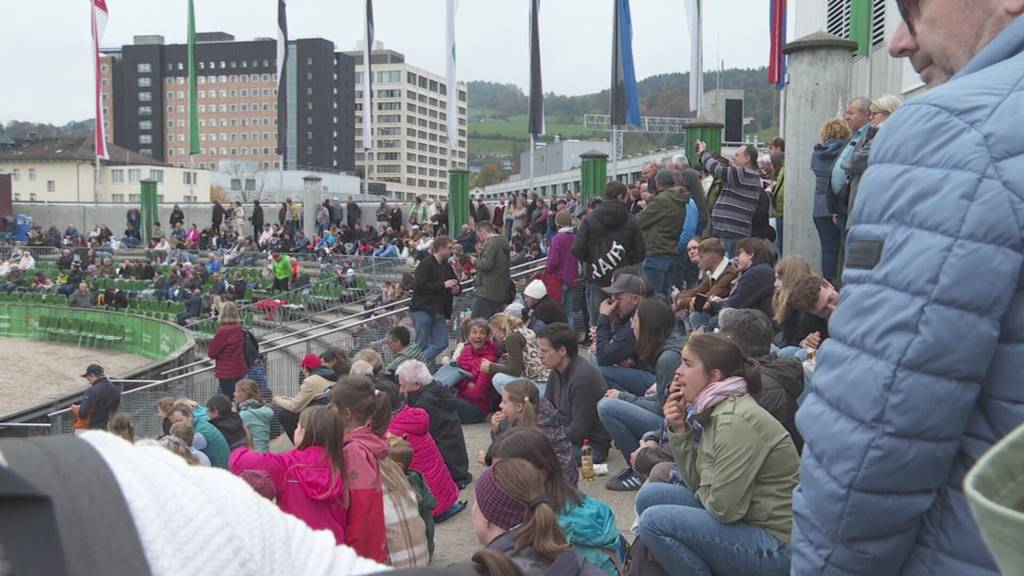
922 372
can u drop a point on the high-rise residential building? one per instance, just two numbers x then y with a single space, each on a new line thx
146 105
410 151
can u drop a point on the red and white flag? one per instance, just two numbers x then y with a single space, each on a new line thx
99 23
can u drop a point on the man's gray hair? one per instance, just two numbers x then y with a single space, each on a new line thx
680 161
750 329
863 104
666 179
361 368
414 372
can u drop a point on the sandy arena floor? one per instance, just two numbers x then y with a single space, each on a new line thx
36 372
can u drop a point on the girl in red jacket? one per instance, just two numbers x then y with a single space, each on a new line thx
309 480
474 401
363 409
227 349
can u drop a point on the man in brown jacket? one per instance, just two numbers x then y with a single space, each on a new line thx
716 278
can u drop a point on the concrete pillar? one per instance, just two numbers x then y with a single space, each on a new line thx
594 168
148 206
819 83
709 132
310 196
458 200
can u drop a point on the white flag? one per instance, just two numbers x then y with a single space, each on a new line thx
693 13
453 87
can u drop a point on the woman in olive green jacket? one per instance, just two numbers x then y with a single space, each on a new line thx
734 513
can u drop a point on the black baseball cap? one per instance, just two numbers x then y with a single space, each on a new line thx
94 369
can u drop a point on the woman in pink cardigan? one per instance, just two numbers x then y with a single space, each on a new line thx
413 425
474 394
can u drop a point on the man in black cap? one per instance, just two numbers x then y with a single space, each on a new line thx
101 399
614 340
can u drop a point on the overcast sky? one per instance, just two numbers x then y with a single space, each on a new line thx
48 72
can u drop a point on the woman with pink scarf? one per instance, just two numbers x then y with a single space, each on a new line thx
733 512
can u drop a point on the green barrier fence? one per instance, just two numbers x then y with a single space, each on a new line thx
139 335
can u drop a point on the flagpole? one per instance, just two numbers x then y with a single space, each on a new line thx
533 148
96 183
615 152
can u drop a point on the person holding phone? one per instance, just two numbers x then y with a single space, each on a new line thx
739 467
717 275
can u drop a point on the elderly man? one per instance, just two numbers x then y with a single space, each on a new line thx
930 345
81 298
858 118
419 389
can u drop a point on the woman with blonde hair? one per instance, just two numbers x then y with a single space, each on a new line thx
523 354
880 109
372 357
834 136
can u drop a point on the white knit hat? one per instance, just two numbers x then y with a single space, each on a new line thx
536 289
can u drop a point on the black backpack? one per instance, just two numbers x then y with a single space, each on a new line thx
641 562
252 347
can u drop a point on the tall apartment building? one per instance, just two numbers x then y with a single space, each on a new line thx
145 100
410 151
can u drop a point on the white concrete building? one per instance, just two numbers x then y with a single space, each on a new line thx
63 170
410 150
246 181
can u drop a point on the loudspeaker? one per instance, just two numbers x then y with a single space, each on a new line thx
733 120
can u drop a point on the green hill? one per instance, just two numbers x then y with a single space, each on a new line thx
498 121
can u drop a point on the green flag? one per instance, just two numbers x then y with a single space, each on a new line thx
193 116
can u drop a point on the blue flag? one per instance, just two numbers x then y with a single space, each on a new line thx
625 98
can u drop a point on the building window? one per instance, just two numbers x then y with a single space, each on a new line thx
236 185
117 176
145 111
143 68
31 174
144 96
144 82
146 151
51 185
145 138
134 174
117 198
157 175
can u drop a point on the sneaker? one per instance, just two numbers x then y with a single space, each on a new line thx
625 481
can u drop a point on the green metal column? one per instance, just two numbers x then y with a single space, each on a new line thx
709 132
148 207
458 200
594 168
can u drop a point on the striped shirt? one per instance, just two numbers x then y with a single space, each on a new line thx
733 214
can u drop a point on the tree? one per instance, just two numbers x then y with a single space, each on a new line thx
488 174
217 194
248 181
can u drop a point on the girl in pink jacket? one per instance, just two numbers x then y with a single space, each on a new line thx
474 402
363 409
309 480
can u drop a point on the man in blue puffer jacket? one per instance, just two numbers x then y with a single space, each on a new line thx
923 370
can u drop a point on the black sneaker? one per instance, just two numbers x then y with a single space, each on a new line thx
625 481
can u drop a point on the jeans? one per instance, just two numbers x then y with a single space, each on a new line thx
594 296
567 305
227 386
499 381
778 236
468 412
627 423
658 272
699 320
484 308
730 246
632 380
828 235
431 333
681 533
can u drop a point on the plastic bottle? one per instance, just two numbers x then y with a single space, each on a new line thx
587 461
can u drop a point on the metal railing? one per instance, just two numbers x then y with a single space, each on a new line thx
282 334
281 355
